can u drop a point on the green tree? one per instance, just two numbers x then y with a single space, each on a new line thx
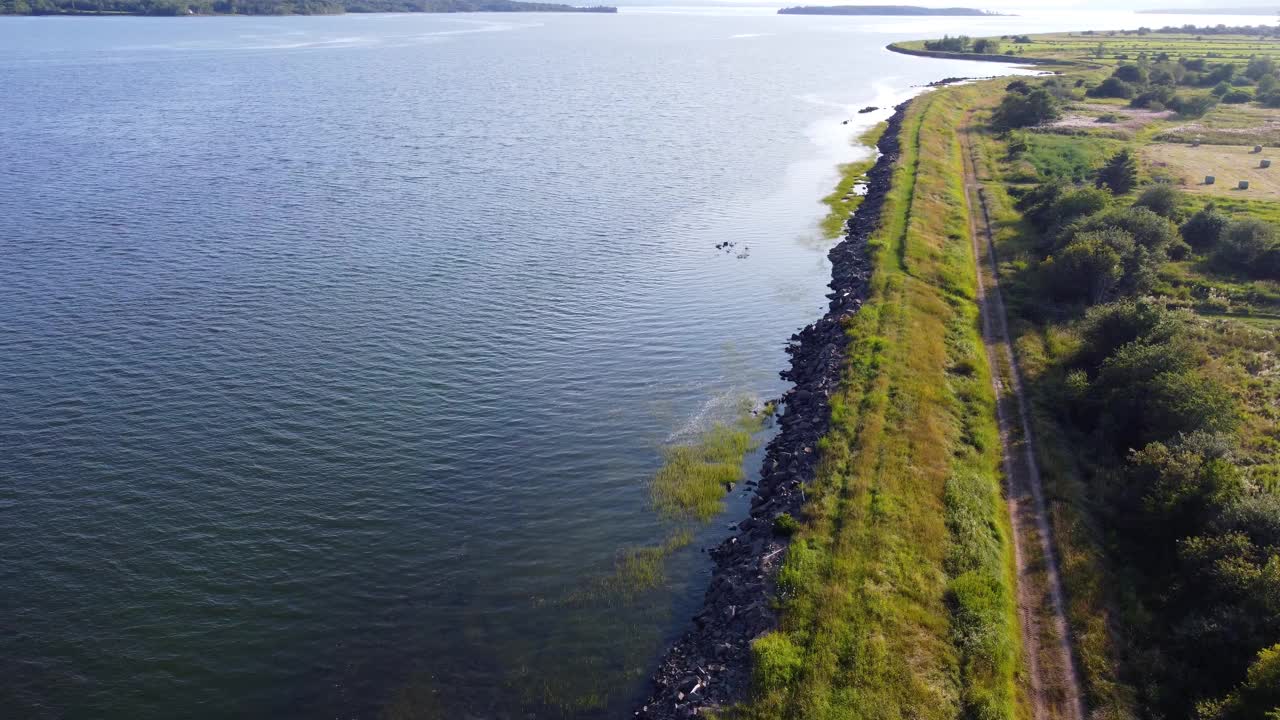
1017 110
1120 173
1161 199
1249 246
1202 230
1090 267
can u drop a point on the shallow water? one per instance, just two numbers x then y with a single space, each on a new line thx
336 352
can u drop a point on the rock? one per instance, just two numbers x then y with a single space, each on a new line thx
736 608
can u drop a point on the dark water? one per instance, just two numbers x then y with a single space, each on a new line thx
336 353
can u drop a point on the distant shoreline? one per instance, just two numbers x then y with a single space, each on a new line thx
280 8
890 10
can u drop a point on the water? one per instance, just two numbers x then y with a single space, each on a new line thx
336 352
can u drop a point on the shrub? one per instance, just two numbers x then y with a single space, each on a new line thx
1108 118
1090 267
1161 199
1193 106
1220 89
776 660
1249 246
1161 95
1202 230
985 46
785 525
1112 87
1235 97
1018 111
1131 74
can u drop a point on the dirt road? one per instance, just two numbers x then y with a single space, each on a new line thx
1053 682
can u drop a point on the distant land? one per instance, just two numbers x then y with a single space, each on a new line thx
1213 11
880 10
277 7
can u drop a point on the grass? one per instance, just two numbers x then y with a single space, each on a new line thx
1089 594
1230 164
846 198
694 477
896 594
635 570
1066 157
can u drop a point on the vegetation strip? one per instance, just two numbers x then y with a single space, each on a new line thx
1055 686
1141 313
709 666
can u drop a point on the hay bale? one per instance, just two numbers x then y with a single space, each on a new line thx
1257 148
1209 179
1244 185
1264 164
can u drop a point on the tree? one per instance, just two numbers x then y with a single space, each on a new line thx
1017 110
1113 87
1259 696
1120 173
1250 246
1259 67
1161 199
1202 230
985 46
1090 267
1131 74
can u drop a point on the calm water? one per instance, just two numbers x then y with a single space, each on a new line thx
336 353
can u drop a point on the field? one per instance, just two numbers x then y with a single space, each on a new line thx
1229 164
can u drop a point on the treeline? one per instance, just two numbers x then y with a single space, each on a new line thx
276 7
1190 29
1189 523
1153 83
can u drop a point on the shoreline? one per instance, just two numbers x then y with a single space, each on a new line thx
709 666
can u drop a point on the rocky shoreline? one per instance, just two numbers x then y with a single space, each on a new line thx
710 665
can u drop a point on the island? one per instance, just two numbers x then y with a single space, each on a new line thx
882 10
279 7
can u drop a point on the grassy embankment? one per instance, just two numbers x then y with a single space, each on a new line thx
1171 573
897 593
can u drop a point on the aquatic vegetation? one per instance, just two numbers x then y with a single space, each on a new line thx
695 476
851 188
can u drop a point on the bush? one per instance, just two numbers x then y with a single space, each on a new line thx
1249 246
1194 106
785 525
1202 230
986 47
1235 97
1017 110
1157 95
776 661
1113 87
1090 267
1108 118
1131 74
1160 199
1148 229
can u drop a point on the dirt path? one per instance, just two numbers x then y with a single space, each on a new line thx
1053 682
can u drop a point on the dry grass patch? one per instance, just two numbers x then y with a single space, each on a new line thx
1228 163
